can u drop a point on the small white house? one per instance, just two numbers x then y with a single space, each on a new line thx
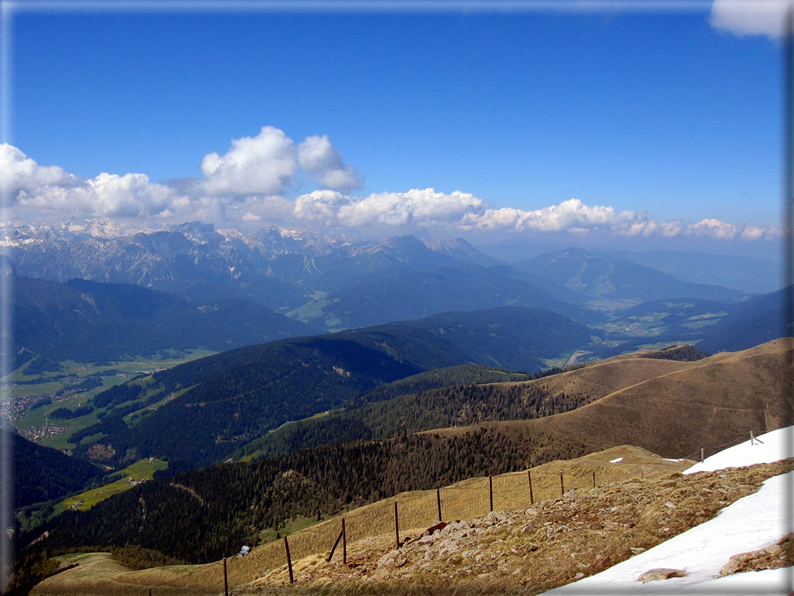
244 551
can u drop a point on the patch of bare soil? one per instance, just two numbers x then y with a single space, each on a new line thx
530 550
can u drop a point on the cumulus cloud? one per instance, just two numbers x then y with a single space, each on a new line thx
107 195
714 228
246 185
50 188
20 173
269 162
570 215
750 17
323 163
428 208
422 208
262 164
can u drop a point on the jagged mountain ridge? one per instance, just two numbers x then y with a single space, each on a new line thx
329 281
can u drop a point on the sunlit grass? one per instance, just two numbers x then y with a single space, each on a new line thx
141 470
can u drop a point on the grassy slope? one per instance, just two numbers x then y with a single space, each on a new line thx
693 405
463 500
139 471
587 531
413 412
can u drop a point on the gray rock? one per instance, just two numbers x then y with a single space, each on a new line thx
653 575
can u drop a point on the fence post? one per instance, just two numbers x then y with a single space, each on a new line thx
289 560
642 472
702 451
594 482
344 543
226 579
333 549
438 500
396 525
490 491
752 438
562 485
150 592
531 497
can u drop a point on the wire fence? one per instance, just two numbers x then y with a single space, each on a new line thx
705 452
412 513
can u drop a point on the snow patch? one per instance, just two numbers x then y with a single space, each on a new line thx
770 447
751 523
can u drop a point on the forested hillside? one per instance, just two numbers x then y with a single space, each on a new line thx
216 405
456 405
89 322
227 505
42 473
208 513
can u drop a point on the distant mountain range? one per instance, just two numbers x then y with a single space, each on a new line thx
227 289
749 274
334 283
89 321
597 277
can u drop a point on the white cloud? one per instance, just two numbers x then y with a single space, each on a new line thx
428 208
235 190
51 189
269 163
20 173
107 195
422 208
262 164
569 216
750 17
714 228
323 163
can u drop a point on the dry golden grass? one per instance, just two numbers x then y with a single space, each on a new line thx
531 550
694 404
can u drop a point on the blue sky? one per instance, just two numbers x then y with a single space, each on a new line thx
658 113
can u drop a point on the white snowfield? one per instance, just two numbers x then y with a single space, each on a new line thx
773 446
751 523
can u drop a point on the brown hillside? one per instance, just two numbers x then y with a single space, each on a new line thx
602 378
529 550
98 574
688 405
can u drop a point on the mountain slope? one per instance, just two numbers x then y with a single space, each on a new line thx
43 474
749 274
750 323
600 277
333 282
417 407
421 292
699 404
675 410
222 402
89 321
